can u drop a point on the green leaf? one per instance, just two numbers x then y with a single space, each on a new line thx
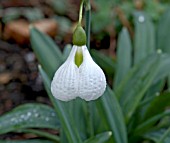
156 135
26 141
136 83
143 127
48 54
113 114
144 36
64 115
100 138
164 136
163 37
164 67
151 94
105 62
124 56
29 116
78 108
158 105
41 134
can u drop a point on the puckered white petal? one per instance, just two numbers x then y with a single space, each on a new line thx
87 81
92 81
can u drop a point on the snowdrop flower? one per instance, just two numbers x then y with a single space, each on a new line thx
78 76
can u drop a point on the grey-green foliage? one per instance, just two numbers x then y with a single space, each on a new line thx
26 141
100 138
116 124
29 116
105 62
131 113
124 56
163 37
156 135
43 45
144 43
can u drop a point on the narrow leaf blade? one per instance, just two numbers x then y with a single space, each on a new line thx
99 138
114 116
48 54
63 113
26 141
163 37
158 105
29 116
124 57
140 78
105 62
144 36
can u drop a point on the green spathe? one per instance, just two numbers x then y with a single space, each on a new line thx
79 36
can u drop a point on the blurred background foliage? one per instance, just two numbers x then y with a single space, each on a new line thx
129 40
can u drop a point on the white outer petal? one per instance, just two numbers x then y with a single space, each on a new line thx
92 81
64 85
87 82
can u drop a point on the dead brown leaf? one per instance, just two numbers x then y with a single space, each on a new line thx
5 78
18 30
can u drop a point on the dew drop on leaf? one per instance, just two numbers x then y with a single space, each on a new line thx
47 119
36 115
29 113
141 18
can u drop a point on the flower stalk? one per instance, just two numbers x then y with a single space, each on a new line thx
81 12
88 21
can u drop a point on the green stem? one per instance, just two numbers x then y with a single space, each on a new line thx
42 134
88 22
81 12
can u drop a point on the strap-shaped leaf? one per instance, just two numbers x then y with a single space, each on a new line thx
159 136
29 116
164 67
144 36
99 138
158 105
163 37
64 115
26 141
133 87
164 137
114 116
124 56
51 58
105 62
47 52
143 127
40 134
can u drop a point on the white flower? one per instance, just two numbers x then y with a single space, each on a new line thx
86 81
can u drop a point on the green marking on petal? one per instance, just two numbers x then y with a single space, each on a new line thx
79 56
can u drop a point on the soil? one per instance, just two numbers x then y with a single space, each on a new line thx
20 81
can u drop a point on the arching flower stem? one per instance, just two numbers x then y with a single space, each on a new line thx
81 12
